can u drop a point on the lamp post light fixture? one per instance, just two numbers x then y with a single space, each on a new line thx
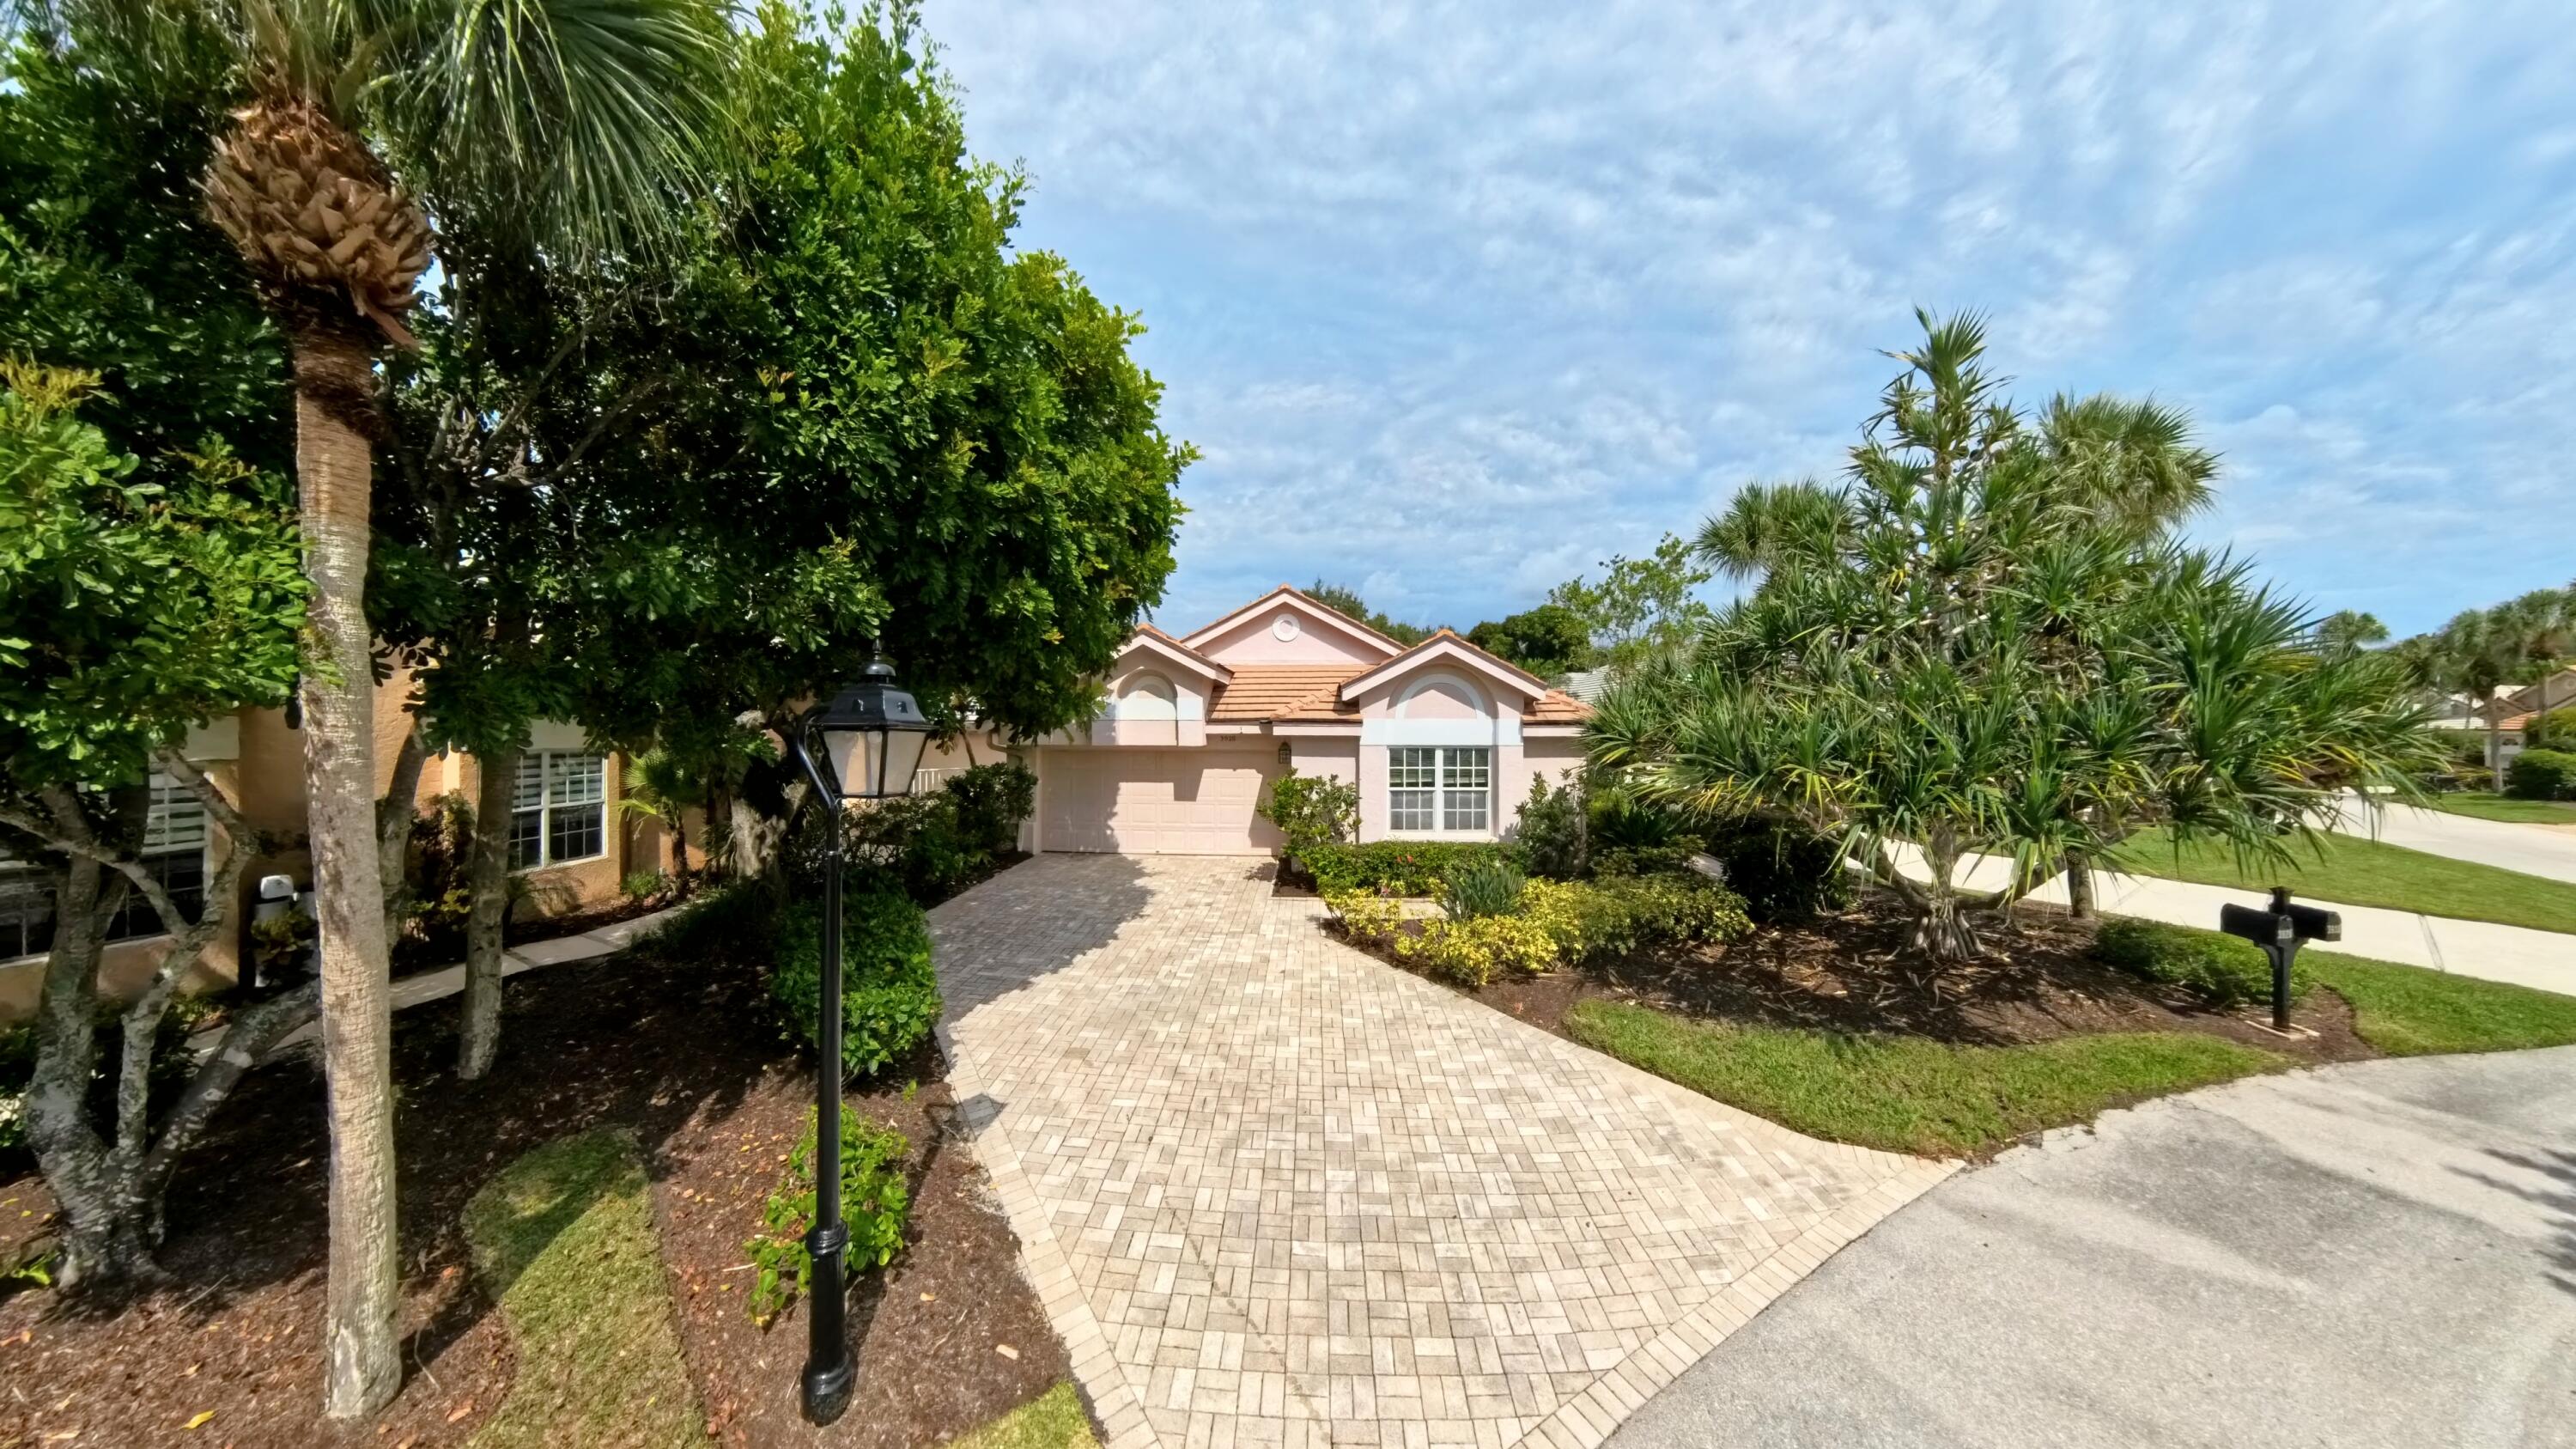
863 744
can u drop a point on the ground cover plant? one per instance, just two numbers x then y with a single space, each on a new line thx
564 1239
2357 871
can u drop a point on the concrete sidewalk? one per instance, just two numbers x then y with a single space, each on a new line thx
426 986
2530 849
2543 960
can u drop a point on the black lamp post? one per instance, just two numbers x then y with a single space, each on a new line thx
862 745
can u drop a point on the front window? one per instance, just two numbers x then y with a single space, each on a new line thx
173 850
558 809
1439 788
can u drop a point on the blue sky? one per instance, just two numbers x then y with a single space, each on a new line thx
1460 299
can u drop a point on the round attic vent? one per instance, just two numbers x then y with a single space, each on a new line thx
1284 627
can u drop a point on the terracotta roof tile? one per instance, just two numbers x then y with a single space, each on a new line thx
1556 707
1273 691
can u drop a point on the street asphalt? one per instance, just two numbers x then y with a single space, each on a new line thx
2375 1254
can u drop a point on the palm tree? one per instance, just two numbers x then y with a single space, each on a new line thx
2350 629
584 130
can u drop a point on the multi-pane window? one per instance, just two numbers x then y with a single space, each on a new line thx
558 808
1439 787
173 850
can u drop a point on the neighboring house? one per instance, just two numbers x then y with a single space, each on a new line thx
1441 738
1588 685
567 841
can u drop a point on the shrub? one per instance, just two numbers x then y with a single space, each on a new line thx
2219 969
1551 833
991 801
737 921
1476 949
1622 861
2555 730
645 886
918 843
2541 775
1678 910
1784 871
1618 819
1310 810
1392 867
875 1205
1486 886
1367 918
889 990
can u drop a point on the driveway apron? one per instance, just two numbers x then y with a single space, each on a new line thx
1275 1192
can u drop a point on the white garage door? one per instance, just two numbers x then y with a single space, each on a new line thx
1156 802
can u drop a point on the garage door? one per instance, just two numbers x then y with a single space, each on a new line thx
1156 802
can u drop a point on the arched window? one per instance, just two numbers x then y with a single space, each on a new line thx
1148 696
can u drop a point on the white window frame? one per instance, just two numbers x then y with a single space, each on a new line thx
550 800
1446 796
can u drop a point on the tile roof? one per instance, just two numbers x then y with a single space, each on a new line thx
1271 691
1310 694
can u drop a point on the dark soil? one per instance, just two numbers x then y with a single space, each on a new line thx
1852 972
686 1056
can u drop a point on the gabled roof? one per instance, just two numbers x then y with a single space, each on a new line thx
1325 612
1446 644
1154 641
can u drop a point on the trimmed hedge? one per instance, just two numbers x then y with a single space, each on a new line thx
1393 867
2219 969
1557 923
2541 775
889 990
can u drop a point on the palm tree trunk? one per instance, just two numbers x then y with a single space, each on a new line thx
488 888
333 385
2079 885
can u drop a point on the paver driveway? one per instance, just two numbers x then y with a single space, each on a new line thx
1274 1192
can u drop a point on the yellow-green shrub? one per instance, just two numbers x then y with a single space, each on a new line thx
1366 918
1475 950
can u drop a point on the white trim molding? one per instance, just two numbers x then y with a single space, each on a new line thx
1445 647
1505 730
1286 596
1181 655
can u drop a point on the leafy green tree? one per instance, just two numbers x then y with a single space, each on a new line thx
1342 599
1548 640
586 125
1959 650
1642 607
134 604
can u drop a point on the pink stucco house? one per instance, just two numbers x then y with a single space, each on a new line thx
1441 738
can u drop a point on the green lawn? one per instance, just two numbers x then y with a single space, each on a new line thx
2409 1011
2352 871
1914 1094
564 1238
2487 805
1909 1094
1054 1420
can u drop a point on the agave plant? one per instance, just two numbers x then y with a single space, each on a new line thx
1985 641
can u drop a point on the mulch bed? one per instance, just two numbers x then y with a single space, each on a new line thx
1852 972
687 1057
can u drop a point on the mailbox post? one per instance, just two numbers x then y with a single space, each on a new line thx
2280 930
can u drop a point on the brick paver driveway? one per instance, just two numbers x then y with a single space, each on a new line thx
1275 1192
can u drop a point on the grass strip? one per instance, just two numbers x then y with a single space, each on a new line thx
2408 1011
1053 1420
1909 1094
2352 871
564 1239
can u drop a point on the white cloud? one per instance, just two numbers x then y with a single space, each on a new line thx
1459 298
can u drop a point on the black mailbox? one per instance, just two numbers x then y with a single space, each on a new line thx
2280 929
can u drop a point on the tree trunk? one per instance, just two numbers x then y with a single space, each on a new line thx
333 383
2495 745
488 887
67 1146
1941 929
394 816
2079 885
